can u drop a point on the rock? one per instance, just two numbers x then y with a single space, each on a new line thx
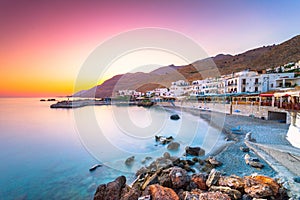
199 180
146 159
165 180
213 177
162 163
244 149
94 167
248 136
179 178
173 146
163 140
158 192
260 186
167 155
194 151
256 164
194 194
153 179
129 161
213 161
147 197
142 170
195 159
174 117
214 196
247 158
111 190
130 193
297 179
234 194
246 197
232 181
253 162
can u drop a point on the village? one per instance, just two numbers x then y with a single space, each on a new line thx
276 88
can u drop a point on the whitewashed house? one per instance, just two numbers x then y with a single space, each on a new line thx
180 88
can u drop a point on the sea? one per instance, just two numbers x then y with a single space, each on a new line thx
47 153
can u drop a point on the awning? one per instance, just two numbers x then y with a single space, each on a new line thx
266 95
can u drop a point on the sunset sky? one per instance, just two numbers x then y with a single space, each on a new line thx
44 43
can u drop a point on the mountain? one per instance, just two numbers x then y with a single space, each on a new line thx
255 59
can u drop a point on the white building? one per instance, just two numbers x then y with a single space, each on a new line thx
163 92
180 88
129 93
250 82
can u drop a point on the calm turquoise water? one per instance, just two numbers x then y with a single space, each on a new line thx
46 153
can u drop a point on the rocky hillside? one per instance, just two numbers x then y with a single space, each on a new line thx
256 59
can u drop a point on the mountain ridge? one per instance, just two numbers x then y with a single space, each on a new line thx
255 59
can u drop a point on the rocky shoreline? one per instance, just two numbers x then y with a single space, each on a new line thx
215 176
171 178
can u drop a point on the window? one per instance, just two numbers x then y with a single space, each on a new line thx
272 85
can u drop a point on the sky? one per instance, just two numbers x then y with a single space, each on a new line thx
43 43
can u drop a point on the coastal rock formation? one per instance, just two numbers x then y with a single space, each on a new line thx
194 151
169 178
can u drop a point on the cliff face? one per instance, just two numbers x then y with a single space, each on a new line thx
256 59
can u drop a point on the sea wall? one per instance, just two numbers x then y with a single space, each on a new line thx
293 134
237 109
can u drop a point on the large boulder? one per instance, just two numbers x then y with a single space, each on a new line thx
158 192
260 186
111 190
194 151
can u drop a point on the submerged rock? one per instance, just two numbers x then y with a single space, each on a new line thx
163 139
173 146
129 161
244 149
174 117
